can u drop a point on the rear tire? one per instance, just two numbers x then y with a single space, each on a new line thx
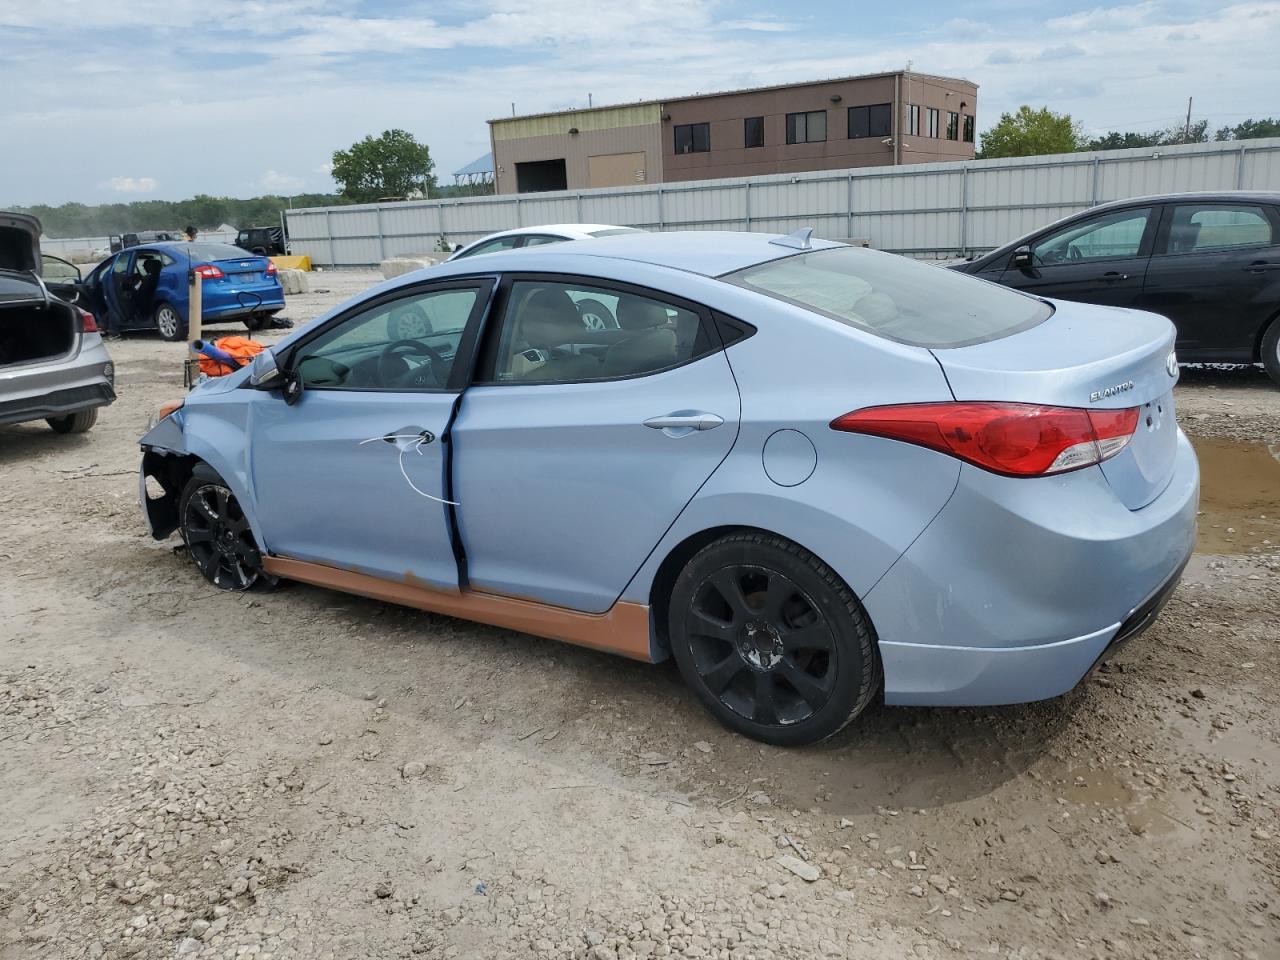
772 641
74 422
217 534
1271 350
169 322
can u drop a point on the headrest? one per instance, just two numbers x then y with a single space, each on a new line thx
638 313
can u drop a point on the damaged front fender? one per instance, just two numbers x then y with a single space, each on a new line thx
167 464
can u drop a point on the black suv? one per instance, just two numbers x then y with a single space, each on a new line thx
264 241
1210 262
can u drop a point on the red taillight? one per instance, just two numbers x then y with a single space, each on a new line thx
1015 439
271 269
87 323
209 272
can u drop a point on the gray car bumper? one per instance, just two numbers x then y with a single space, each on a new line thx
60 387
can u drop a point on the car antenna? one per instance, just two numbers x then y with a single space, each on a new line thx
802 239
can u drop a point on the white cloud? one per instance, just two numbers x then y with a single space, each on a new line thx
284 183
132 184
326 168
1062 52
757 25
1101 18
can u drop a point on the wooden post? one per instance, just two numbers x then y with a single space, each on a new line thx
194 332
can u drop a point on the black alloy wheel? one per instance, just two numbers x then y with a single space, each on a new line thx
772 641
218 537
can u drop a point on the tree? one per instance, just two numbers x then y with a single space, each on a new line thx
1250 130
1030 133
1121 141
391 165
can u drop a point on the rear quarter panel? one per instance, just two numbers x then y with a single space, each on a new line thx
866 499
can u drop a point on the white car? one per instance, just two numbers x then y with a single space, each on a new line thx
536 236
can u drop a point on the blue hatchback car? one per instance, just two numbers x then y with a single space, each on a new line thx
147 288
812 474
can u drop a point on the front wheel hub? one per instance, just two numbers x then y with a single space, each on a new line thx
760 644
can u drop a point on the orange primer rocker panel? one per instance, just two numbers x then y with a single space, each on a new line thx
623 629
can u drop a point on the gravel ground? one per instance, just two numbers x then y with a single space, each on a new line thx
311 775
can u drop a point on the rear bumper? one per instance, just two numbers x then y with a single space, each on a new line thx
59 388
272 302
1018 587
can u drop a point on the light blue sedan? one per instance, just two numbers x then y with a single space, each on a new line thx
812 474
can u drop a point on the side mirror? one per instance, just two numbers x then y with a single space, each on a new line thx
1023 259
264 371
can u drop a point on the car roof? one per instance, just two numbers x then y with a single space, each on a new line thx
1225 196
710 253
570 228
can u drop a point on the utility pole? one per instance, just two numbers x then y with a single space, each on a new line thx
588 101
1186 131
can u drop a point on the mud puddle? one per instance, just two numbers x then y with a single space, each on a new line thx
1106 790
1239 496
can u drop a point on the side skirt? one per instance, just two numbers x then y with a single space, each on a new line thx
622 629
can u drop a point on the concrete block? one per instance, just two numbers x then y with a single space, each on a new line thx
401 265
294 281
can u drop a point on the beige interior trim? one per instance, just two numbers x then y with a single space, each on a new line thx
622 629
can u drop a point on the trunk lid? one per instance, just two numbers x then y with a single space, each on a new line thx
19 242
1093 358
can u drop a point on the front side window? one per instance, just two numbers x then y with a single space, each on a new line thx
753 132
895 297
1111 235
490 246
968 129
567 332
693 137
808 127
1200 227
406 345
875 120
931 122
953 126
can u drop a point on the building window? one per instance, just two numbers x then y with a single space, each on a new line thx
968 129
931 121
693 138
913 119
753 132
807 127
953 126
875 120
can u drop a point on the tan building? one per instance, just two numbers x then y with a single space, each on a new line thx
874 120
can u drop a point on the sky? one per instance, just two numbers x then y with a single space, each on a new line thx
164 99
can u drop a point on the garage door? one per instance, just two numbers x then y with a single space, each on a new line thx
615 170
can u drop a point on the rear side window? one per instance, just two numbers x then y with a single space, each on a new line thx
215 251
895 298
1201 227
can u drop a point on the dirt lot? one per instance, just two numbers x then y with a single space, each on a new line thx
311 775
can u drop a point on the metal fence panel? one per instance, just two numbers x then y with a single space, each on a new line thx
936 209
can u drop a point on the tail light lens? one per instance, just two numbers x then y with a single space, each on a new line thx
271 269
1014 439
209 272
87 323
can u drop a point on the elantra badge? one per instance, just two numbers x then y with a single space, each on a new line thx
1110 391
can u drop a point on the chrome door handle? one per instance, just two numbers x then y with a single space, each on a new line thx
682 422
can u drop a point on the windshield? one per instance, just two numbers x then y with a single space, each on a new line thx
894 297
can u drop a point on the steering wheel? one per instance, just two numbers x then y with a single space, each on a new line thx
394 371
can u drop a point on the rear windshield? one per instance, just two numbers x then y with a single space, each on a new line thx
215 251
894 297
615 231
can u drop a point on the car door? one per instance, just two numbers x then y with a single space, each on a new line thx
354 474
61 277
116 289
577 449
1098 259
1216 274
